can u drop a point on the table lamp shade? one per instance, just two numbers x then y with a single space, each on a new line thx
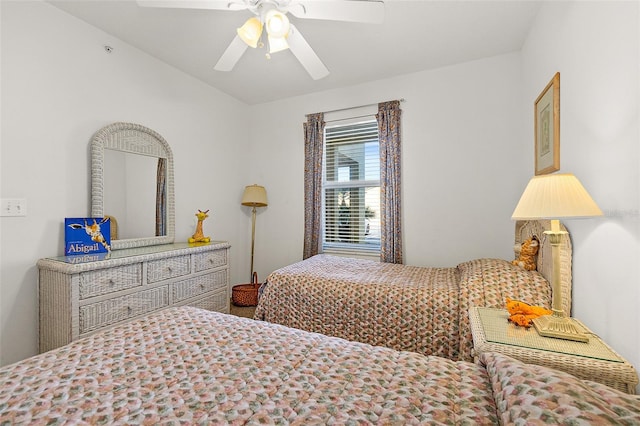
555 196
254 196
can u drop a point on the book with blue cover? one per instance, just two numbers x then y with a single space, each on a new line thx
87 235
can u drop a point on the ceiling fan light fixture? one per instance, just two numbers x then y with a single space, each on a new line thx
277 23
282 34
251 31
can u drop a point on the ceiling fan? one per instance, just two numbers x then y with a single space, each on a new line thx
271 15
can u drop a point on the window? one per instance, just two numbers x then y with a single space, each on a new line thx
351 188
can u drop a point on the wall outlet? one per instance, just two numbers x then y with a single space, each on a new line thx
13 207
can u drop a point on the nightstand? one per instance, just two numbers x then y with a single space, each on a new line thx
594 361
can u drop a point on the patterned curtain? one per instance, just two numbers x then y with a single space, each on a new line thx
161 197
391 223
313 146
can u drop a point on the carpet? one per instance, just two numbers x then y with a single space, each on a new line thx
243 311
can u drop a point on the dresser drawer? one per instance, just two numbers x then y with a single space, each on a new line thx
218 302
209 260
164 269
105 281
199 285
101 314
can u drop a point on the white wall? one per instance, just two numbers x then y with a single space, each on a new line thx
58 88
464 166
595 47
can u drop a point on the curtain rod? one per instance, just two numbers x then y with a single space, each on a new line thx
346 118
355 107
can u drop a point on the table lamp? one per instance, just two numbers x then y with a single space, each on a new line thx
556 196
254 196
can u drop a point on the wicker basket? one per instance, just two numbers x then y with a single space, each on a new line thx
246 294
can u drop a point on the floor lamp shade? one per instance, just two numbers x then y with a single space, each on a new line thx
254 196
556 196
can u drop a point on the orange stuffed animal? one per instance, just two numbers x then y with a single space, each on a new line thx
527 257
522 313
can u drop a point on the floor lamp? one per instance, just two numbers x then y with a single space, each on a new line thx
254 196
556 196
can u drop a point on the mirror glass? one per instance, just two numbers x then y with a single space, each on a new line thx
132 182
129 193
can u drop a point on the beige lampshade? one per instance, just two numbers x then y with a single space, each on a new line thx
277 24
277 44
555 196
250 32
254 196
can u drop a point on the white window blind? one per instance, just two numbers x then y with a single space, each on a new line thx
351 187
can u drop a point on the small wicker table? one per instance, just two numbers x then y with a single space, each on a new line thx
594 360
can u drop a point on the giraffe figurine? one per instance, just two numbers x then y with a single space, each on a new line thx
199 237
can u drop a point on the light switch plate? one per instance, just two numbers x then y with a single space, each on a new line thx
13 207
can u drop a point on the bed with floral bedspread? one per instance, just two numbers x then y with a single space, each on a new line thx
403 307
189 366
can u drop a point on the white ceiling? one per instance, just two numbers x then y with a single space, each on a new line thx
415 36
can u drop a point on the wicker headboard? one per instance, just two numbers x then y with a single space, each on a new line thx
525 229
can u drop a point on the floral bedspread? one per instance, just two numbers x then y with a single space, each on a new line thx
186 366
190 366
410 308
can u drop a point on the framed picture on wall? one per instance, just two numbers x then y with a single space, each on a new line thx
547 128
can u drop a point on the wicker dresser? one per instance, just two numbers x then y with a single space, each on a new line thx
80 295
594 360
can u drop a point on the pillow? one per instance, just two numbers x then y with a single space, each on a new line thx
532 394
488 282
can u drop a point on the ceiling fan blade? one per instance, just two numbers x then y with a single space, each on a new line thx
195 4
368 11
231 56
305 54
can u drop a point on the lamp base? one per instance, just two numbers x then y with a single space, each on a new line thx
560 328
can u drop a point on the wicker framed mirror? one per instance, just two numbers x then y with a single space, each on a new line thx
132 181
